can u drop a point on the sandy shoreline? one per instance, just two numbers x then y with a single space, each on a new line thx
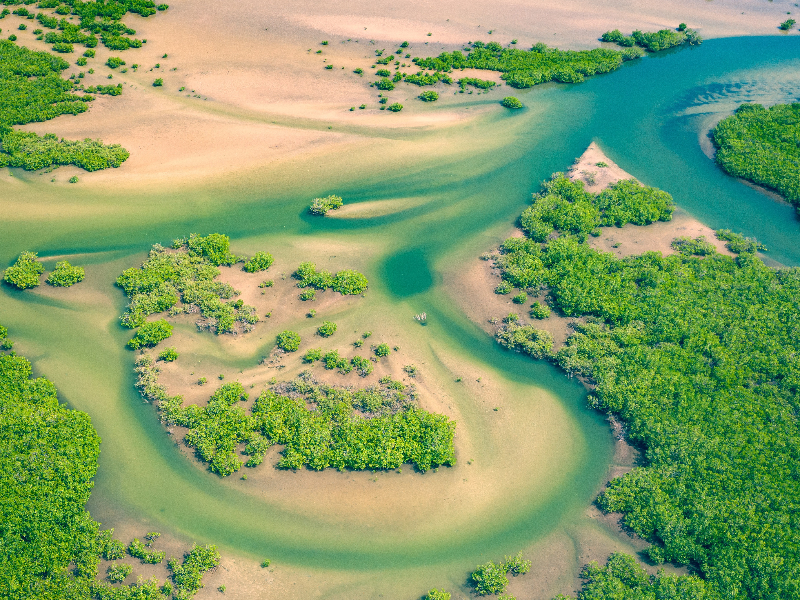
256 92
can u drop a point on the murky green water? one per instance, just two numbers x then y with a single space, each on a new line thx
648 116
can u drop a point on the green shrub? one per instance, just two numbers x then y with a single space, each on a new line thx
260 262
396 107
81 62
265 563
312 355
520 298
437 595
787 24
150 334
118 572
114 62
25 272
289 341
65 275
536 343
539 311
327 329
22 26
359 71
30 151
158 82
89 53
308 294
12 38
62 47
215 247
429 96
381 350
168 354
385 84
489 578
320 206
363 366
693 247
383 73
188 575
511 102
737 243
503 288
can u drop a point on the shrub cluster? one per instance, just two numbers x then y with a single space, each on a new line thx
260 262
526 68
491 578
655 40
65 275
168 278
332 433
346 282
320 206
25 272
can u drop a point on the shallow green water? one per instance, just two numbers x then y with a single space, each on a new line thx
647 116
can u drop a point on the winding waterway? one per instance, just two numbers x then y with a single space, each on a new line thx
534 472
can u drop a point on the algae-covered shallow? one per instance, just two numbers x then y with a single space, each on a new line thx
526 471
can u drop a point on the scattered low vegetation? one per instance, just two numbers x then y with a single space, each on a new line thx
760 144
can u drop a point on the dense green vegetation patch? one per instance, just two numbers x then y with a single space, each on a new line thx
654 41
346 282
32 90
492 578
699 358
182 280
25 272
761 145
318 426
526 68
321 206
65 275
622 577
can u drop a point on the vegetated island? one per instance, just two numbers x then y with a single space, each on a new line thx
32 88
761 145
52 548
319 426
697 355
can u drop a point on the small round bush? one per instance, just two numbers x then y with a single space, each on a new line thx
158 82
511 102
396 107
65 275
168 354
382 350
24 273
539 311
308 294
327 329
520 298
429 96
384 84
383 73
503 288
260 262
289 341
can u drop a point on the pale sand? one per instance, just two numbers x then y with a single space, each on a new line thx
264 97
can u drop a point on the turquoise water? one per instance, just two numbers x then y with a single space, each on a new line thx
648 117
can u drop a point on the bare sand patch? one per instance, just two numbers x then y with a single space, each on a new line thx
376 208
